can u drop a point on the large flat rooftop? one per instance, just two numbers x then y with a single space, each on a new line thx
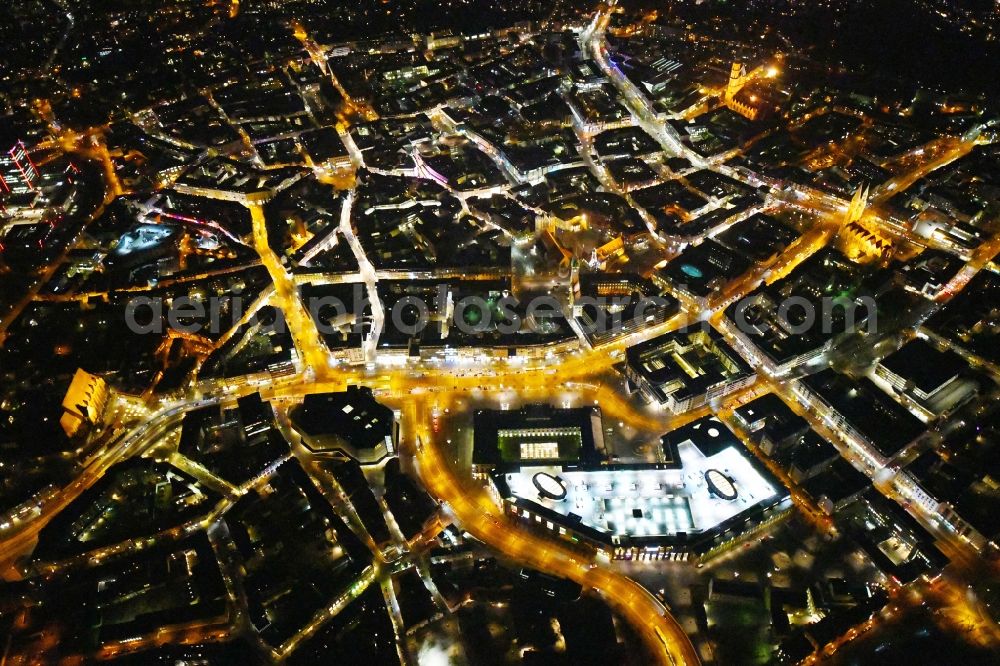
648 500
537 434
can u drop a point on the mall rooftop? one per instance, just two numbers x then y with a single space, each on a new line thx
709 492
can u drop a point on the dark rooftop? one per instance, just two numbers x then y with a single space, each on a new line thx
353 415
921 363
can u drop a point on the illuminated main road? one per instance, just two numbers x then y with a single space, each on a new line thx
313 353
416 383
474 510
17 539
419 387
482 518
935 155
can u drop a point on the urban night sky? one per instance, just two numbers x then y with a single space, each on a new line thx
476 332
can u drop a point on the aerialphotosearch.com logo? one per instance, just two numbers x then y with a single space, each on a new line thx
505 314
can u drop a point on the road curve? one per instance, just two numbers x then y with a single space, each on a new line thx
476 512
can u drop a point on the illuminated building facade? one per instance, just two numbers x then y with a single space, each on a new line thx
84 402
738 79
29 172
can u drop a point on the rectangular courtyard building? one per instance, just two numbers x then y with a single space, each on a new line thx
686 369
